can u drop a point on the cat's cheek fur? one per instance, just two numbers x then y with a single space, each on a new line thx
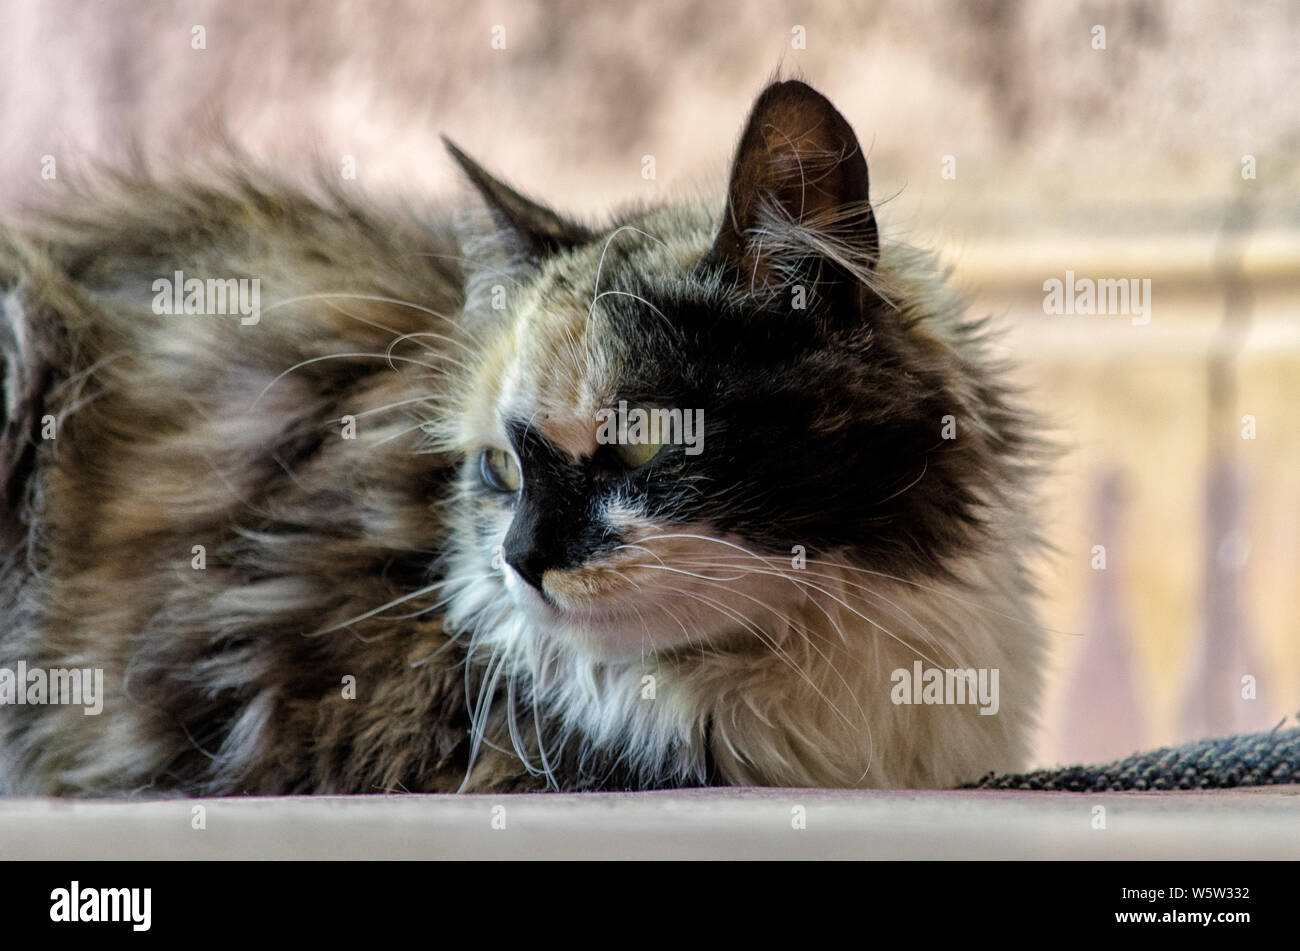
803 697
811 710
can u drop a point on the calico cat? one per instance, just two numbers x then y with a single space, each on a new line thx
387 516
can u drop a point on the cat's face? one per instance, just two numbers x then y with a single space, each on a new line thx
672 429
618 541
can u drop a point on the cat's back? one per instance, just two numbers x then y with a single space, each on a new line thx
184 500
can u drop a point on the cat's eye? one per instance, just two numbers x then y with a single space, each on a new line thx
636 454
500 470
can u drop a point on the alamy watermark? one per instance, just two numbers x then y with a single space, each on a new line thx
647 425
75 686
179 294
1110 297
949 686
77 904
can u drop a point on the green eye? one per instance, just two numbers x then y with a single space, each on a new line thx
636 454
500 470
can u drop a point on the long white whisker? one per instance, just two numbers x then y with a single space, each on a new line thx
383 607
481 709
339 356
769 642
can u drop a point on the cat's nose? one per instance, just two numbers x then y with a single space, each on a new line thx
529 565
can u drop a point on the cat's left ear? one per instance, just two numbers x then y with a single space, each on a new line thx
531 231
797 207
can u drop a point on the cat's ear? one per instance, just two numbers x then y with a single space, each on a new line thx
797 207
531 230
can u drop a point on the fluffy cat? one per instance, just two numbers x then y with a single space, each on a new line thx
375 535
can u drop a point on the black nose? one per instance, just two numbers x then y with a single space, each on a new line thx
530 564
553 528
535 542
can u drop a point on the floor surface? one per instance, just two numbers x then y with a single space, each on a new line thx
1261 823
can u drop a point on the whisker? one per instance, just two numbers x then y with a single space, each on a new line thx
796 579
481 709
847 567
385 408
383 607
600 265
437 336
370 297
339 356
769 642
397 435
636 297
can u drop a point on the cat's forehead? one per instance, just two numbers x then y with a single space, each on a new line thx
561 363
558 372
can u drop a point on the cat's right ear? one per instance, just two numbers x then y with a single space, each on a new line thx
529 230
797 205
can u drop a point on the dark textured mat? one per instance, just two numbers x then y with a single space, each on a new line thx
1251 759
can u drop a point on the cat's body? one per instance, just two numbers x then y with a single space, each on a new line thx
476 592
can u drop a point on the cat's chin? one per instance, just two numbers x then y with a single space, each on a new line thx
609 641
608 634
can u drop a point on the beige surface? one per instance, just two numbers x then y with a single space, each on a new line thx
735 823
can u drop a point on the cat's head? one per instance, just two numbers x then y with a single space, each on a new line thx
672 424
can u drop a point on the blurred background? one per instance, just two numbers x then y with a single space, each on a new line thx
1145 139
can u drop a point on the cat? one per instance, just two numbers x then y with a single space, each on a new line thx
399 524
